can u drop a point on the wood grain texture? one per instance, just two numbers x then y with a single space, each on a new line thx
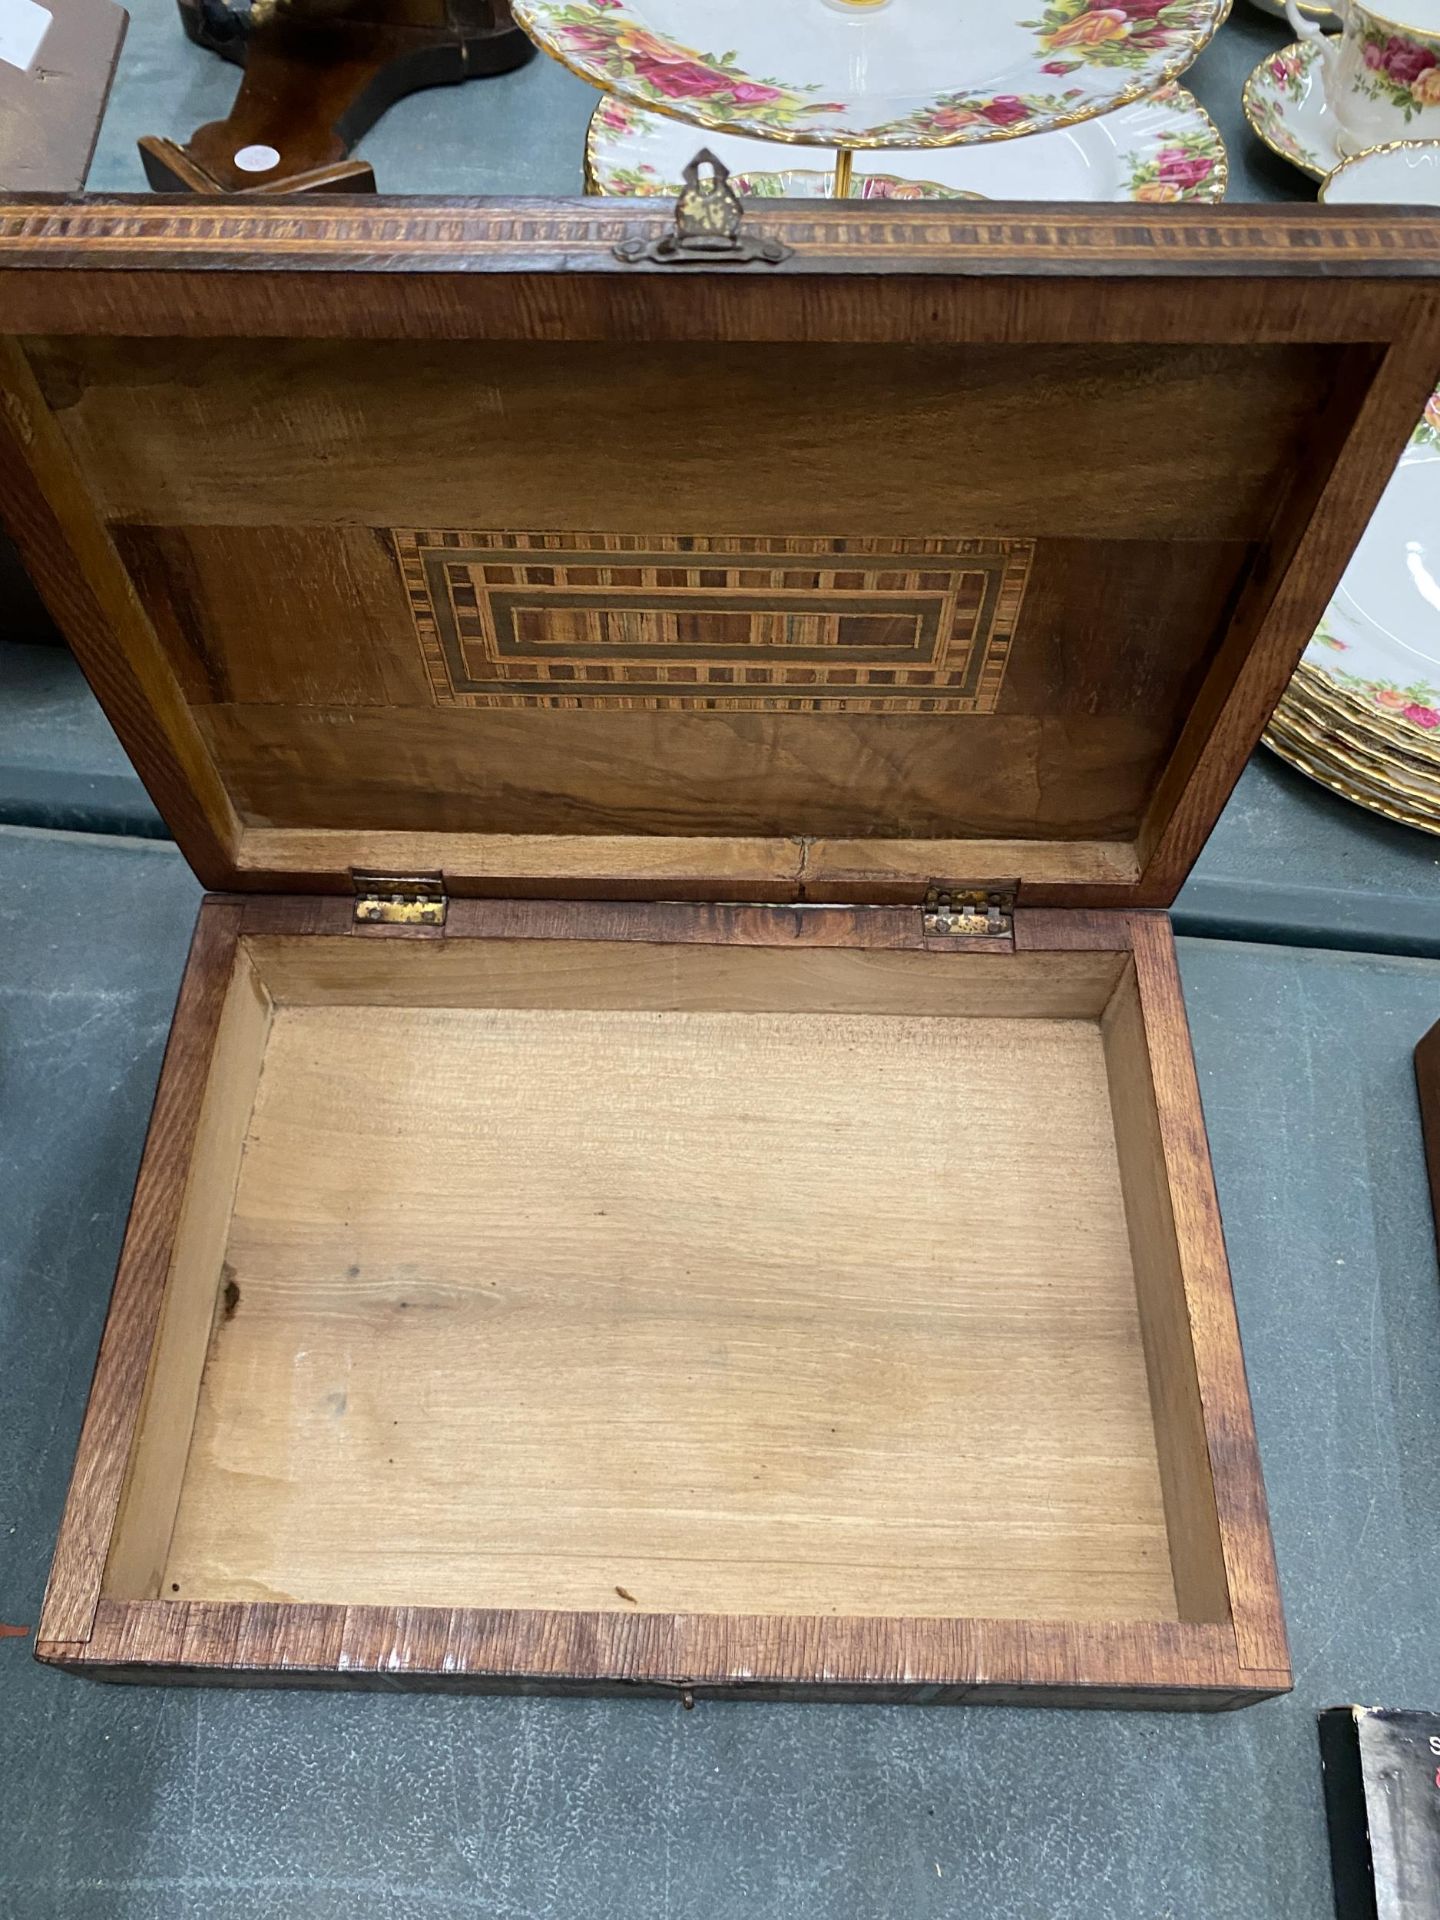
412 248
686 923
640 868
1031 338
1333 494
1165 1663
196 1293
253 576
1201 1587
1146 1664
1239 1485
1027 779
621 1258
839 439
655 976
116 1396
51 517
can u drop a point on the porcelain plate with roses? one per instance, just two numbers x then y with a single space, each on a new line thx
900 73
1380 642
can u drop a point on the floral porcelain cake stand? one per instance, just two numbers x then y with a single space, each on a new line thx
1165 148
850 74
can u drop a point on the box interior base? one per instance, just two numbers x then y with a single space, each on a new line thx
568 1275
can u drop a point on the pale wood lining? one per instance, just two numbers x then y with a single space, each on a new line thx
1185 1474
193 1292
537 1305
599 975
645 1255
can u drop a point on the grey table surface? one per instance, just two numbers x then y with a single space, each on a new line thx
1287 861
122 1803
139 1804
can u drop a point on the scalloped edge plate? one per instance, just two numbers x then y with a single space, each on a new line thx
1166 148
1080 58
1284 101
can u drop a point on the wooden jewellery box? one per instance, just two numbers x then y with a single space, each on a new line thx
679 1163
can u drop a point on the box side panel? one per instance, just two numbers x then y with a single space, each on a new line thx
128 1342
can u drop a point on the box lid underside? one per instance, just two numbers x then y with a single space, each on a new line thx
786 586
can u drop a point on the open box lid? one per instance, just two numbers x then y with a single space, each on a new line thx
961 547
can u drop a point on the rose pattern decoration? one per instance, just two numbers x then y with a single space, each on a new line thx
1278 85
1418 705
1402 69
1177 154
1289 72
957 113
1114 33
1188 166
602 35
1148 40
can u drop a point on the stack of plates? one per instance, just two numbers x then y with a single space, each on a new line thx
1362 714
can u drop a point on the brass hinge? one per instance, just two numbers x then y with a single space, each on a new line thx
400 899
988 912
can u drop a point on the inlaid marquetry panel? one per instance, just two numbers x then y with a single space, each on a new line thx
794 625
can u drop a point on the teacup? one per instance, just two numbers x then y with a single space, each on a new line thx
1382 75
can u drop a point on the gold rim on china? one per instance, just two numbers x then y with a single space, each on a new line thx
1369 153
1185 101
1247 102
1353 713
830 142
1379 773
1388 764
1315 753
1337 783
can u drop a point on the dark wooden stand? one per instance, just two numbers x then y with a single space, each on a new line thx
1427 1083
318 75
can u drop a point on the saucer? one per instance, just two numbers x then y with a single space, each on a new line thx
1162 149
1284 102
1404 173
876 73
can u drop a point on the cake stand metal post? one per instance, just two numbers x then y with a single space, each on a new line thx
844 172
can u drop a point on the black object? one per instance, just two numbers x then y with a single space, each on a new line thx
1382 1795
318 75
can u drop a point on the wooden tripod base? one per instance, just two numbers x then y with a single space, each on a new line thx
315 83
